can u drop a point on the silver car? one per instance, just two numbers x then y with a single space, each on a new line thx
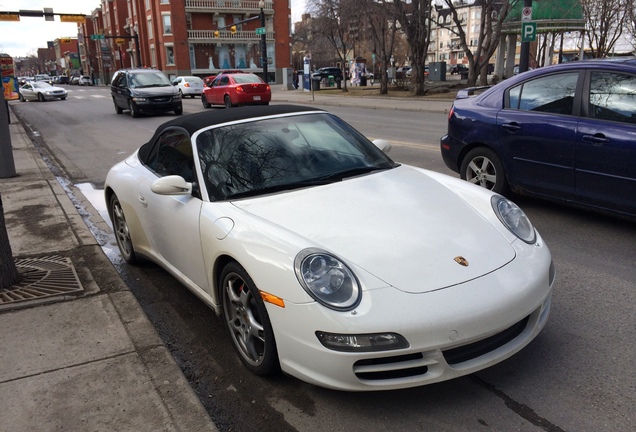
189 85
42 91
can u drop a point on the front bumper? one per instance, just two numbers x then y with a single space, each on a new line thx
452 332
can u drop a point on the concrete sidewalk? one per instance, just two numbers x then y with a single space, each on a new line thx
438 104
77 353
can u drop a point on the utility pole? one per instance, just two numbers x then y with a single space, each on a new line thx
261 4
7 166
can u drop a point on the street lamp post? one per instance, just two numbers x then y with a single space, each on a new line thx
261 4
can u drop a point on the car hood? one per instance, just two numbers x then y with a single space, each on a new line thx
400 225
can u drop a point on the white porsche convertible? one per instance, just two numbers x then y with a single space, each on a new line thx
326 259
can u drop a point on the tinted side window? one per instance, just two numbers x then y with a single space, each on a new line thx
172 155
613 97
552 94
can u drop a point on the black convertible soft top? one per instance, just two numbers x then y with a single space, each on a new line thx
197 121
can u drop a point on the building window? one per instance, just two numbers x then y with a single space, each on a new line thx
149 28
147 4
164 1
167 24
153 57
169 55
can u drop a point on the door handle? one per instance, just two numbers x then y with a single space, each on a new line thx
511 127
597 139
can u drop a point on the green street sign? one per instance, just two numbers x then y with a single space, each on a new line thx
97 36
528 31
260 31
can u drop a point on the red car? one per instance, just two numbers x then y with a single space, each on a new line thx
232 89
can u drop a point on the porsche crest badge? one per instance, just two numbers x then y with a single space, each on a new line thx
461 261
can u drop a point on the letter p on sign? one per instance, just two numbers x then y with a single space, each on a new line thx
528 31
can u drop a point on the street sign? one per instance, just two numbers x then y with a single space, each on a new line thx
81 19
260 31
526 14
528 31
97 36
120 41
48 14
7 16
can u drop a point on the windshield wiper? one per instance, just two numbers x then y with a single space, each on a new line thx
352 172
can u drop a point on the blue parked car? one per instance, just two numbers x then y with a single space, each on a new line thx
565 132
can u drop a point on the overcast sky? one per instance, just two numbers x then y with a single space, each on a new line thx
24 37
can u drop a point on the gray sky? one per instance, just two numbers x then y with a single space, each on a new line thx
24 37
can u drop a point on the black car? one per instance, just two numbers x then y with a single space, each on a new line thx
63 80
326 72
144 91
457 69
565 132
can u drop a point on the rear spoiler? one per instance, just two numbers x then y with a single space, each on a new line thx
470 91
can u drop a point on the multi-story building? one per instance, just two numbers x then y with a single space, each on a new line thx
189 37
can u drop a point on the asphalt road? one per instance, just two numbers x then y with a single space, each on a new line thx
578 375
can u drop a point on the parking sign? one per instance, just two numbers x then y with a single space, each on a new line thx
528 31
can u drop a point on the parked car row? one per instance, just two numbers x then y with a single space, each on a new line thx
327 306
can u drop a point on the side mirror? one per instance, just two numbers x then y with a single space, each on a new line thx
171 185
383 145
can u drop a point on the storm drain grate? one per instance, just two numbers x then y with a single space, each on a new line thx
42 277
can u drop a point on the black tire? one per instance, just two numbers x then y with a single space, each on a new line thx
22 99
482 167
179 110
204 101
118 110
247 322
41 97
227 102
134 112
122 232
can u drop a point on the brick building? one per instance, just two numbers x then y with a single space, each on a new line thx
186 37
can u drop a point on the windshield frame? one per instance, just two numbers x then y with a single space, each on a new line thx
265 155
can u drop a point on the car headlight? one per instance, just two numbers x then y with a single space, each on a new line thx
513 218
176 96
362 342
327 279
138 99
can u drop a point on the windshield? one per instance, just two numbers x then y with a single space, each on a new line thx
155 79
41 84
264 156
247 78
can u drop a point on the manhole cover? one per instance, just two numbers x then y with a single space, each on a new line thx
42 277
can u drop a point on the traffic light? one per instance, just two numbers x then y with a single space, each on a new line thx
65 40
233 29
216 34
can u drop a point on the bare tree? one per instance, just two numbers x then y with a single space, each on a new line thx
631 23
493 14
382 29
333 21
605 21
9 275
414 17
